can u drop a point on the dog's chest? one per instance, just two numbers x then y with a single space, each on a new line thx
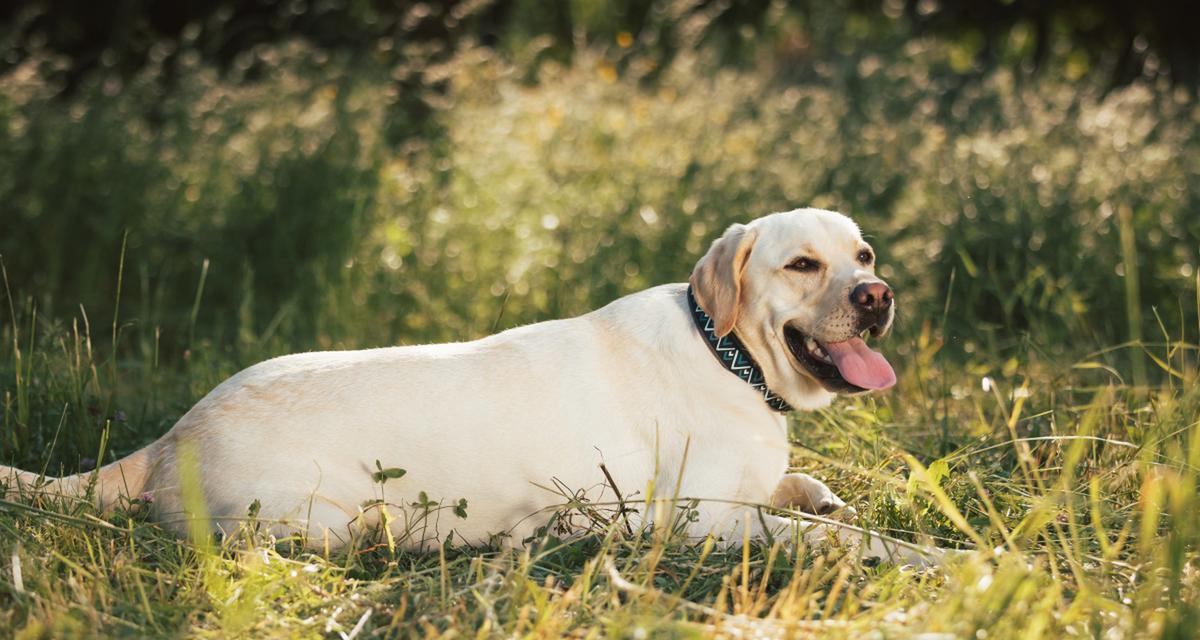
735 458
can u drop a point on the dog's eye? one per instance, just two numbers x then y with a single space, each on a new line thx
865 256
804 265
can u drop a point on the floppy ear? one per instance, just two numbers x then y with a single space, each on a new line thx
717 278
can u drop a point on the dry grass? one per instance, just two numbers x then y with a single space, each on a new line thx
1085 485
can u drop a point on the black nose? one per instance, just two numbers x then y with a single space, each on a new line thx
872 297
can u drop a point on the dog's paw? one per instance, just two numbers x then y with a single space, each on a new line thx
805 493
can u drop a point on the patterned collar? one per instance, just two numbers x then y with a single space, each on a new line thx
732 355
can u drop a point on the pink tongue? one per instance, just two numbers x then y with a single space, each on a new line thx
859 365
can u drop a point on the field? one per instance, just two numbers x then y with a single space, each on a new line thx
1040 230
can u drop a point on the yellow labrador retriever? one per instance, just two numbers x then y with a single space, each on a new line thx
683 387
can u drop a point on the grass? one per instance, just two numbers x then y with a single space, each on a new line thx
1087 484
1040 230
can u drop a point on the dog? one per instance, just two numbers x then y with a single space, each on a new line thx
682 390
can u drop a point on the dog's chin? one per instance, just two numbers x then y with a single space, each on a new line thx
813 363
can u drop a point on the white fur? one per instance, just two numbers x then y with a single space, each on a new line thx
501 421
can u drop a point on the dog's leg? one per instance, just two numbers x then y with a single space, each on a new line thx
733 524
873 546
803 492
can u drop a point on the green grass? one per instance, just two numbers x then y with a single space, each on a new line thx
1088 484
1041 233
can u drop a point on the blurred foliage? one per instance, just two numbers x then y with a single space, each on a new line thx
1130 39
269 203
255 179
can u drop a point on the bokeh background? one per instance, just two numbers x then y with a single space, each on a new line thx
214 183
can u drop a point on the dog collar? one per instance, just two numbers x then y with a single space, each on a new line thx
732 355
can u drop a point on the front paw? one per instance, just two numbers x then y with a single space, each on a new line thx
805 493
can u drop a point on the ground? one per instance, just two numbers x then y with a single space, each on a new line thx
1078 491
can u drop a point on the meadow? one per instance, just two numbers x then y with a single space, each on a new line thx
1040 230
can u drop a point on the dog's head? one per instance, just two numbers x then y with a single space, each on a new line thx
800 290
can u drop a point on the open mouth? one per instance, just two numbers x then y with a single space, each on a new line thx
849 366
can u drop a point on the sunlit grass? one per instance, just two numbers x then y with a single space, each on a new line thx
1041 235
1079 492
